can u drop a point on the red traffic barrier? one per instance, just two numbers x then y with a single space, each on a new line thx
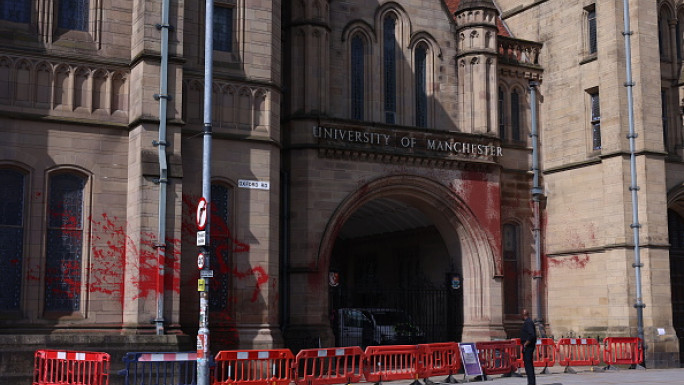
623 351
438 359
578 352
70 367
254 367
389 363
497 357
544 353
329 366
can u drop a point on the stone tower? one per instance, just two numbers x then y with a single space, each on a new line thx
476 61
309 34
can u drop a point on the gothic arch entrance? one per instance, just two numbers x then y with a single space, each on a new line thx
400 242
675 223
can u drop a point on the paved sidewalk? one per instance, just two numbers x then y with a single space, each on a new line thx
587 377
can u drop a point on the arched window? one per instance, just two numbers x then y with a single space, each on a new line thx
515 115
357 77
73 14
421 85
223 29
390 68
18 11
222 245
64 253
511 253
12 200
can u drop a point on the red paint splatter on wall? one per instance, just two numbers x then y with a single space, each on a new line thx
572 262
483 197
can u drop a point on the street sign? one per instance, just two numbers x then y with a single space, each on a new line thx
254 184
201 218
200 261
201 238
207 273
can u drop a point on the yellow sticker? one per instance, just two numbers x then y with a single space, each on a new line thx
201 284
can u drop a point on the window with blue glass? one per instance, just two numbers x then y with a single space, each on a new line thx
357 75
515 115
390 69
18 11
12 198
64 256
73 14
223 29
421 85
221 245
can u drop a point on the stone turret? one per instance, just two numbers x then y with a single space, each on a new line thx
476 61
308 61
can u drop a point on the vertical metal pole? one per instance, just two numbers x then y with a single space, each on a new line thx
537 193
633 188
203 350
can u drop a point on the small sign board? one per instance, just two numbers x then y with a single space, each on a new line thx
207 273
470 358
201 238
254 184
200 261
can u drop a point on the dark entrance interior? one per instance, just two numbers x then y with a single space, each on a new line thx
390 256
676 235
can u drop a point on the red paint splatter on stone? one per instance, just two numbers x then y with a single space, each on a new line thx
573 262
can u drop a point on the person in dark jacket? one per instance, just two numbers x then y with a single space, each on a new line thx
528 339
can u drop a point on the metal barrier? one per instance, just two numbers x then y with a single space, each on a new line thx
544 354
254 367
389 363
154 368
578 352
329 366
438 359
70 367
497 357
623 351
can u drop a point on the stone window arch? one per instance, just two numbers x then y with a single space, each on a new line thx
65 245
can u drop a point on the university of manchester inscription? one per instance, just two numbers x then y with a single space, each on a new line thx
413 143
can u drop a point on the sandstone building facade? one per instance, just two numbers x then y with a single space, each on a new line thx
364 154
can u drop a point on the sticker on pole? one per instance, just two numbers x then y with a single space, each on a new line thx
201 219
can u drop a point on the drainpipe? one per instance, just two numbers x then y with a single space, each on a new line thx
537 194
161 144
633 187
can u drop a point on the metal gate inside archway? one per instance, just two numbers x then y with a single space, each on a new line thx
676 236
392 280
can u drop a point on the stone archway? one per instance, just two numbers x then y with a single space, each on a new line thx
462 235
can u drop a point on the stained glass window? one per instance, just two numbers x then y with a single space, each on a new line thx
357 75
390 69
11 237
18 11
64 242
222 245
73 14
223 29
421 86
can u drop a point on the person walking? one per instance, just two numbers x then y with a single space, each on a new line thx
528 339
